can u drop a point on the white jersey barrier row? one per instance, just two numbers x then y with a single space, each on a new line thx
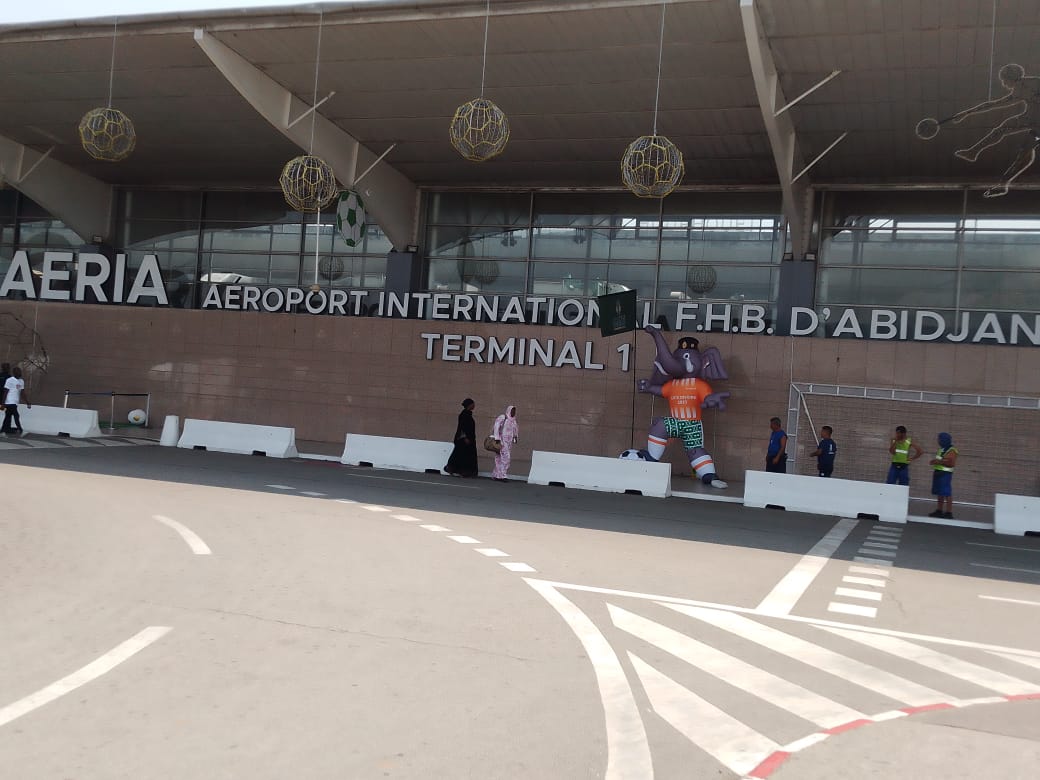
388 452
239 438
59 421
612 475
822 496
1016 515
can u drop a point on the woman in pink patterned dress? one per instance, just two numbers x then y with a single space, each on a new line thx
506 431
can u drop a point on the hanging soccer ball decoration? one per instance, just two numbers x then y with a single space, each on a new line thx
479 130
652 166
308 183
701 279
107 134
482 272
350 218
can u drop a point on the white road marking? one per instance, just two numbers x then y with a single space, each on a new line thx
784 694
665 601
192 539
428 483
734 744
869 570
407 518
313 493
881 545
804 742
1018 659
464 539
435 528
940 662
373 508
281 487
1004 568
865 581
82 676
628 752
817 656
855 593
852 609
871 561
492 552
782 598
1011 601
1004 547
882 553
516 566
345 501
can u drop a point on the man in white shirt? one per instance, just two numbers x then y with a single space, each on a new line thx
14 393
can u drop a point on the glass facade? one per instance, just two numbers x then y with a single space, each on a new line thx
723 247
950 252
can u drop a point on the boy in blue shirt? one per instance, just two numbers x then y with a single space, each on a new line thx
825 452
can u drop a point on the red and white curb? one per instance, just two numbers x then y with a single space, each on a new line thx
776 759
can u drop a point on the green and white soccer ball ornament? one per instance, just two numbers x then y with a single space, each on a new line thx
350 218
137 417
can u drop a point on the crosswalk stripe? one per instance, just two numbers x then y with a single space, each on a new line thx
1020 659
880 545
850 669
871 561
852 609
40 445
858 593
868 570
940 662
874 583
784 694
731 742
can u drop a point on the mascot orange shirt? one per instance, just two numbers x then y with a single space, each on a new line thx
685 397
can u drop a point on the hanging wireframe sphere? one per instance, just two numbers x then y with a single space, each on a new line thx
479 130
331 268
107 134
652 166
308 183
701 279
484 272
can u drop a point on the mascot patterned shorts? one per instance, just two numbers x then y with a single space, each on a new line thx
690 431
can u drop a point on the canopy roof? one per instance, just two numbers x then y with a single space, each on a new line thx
577 80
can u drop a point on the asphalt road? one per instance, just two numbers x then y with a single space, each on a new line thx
177 614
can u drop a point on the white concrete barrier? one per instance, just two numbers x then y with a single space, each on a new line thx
58 421
590 472
389 452
1016 515
824 496
239 438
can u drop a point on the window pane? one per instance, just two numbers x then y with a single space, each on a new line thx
285 270
50 233
256 238
237 269
372 243
721 240
881 244
717 283
149 234
462 208
262 207
883 287
605 210
477 242
568 280
486 276
173 206
990 243
610 238
1005 291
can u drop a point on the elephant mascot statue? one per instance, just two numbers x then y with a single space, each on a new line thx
679 376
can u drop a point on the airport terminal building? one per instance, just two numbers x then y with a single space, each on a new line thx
856 230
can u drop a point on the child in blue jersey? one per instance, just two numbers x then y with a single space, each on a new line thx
825 452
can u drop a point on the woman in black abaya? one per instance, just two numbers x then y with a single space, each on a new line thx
463 460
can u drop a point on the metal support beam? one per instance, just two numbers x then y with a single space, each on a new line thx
82 202
389 195
307 113
779 128
807 92
820 156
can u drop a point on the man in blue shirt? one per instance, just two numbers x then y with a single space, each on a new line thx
776 455
825 452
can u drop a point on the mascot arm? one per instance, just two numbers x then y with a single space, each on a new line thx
644 386
715 399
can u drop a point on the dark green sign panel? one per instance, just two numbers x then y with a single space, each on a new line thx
617 312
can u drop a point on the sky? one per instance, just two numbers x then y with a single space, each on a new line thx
12 12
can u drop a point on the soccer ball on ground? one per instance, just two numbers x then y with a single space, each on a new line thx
634 455
137 417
